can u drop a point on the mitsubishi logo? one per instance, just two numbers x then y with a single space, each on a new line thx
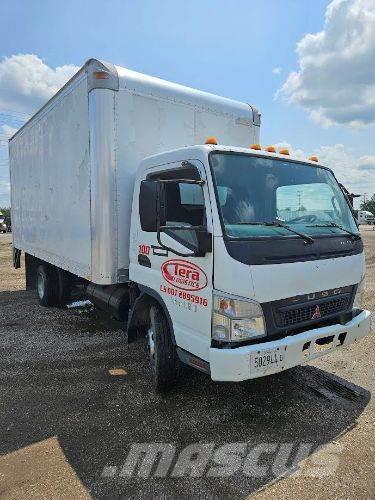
317 314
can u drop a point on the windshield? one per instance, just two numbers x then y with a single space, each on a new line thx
255 190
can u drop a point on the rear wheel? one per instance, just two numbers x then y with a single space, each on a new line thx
164 362
47 285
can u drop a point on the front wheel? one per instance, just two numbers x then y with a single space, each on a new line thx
164 362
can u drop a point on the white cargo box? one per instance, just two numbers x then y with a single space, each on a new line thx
73 163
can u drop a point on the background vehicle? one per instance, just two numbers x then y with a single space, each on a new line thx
365 217
8 222
3 224
238 261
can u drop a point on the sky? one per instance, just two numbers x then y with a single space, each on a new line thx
307 65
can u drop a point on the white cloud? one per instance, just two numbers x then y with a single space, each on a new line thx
357 174
276 71
335 81
26 82
7 131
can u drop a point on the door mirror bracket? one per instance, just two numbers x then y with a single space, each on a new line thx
204 240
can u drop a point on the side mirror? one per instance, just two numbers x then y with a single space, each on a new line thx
204 243
152 203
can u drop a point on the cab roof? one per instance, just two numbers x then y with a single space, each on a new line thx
203 150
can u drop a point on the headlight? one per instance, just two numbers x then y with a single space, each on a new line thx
358 299
236 320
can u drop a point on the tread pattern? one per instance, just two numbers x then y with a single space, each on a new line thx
165 367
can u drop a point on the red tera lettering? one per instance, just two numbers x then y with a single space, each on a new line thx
184 274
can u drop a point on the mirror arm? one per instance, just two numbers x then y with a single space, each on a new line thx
197 253
180 254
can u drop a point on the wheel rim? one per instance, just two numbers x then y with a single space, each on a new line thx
41 285
151 344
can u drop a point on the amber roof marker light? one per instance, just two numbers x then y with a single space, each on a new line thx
101 75
211 140
257 147
270 149
314 158
284 151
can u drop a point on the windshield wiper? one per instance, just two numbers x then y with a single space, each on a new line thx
338 226
276 223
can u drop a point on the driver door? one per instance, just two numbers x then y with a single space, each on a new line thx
183 282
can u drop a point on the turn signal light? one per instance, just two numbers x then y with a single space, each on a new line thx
211 140
258 147
284 151
270 149
313 158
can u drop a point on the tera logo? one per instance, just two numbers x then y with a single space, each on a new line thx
184 275
317 314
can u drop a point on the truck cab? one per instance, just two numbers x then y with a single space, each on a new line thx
251 260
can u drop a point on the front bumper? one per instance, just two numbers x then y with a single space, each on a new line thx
234 365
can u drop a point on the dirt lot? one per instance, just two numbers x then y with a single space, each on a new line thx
67 421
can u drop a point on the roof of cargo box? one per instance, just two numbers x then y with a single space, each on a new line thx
101 74
163 89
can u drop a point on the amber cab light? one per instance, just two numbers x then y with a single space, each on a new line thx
211 140
284 151
257 147
313 158
101 75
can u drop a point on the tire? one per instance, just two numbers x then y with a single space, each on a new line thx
164 362
63 287
47 285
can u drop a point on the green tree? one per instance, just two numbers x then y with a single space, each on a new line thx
369 205
5 211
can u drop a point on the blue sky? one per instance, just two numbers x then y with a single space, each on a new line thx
230 48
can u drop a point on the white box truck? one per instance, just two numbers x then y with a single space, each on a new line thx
238 261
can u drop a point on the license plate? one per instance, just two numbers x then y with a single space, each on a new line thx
266 359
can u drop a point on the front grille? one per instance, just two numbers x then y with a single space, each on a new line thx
290 316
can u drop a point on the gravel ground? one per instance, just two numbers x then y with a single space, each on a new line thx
65 416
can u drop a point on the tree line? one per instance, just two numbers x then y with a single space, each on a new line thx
5 211
369 205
